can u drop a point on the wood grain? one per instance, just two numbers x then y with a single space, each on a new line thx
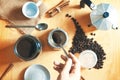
109 40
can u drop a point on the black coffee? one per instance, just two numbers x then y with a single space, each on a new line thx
26 48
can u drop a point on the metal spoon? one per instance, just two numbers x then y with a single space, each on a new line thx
40 26
58 40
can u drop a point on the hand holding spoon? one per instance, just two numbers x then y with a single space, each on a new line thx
57 38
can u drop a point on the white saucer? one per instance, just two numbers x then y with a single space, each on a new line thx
36 72
88 59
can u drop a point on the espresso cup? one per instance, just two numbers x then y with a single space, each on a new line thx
27 47
88 59
31 9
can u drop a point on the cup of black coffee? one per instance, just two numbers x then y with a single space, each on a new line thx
27 47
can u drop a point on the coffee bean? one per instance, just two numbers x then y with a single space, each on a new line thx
89 25
81 42
67 15
82 4
91 33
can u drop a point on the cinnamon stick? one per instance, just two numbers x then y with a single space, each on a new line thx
7 69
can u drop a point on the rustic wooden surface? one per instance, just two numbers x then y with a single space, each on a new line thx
109 40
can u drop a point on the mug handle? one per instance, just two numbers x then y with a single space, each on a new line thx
39 3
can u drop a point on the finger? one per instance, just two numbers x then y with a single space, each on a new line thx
75 69
58 69
76 64
67 66
58 64
74 58
64 58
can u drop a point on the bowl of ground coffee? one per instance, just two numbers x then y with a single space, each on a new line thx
27 47
57 33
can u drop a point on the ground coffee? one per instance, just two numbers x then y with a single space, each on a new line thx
59 37
27 47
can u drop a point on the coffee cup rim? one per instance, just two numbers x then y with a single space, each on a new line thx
24 12
38 47
51 42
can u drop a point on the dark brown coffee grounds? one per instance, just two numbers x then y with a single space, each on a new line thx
59 37
56 38
26 48
81 43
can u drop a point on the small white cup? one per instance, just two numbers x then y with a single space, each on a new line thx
88 59
31 9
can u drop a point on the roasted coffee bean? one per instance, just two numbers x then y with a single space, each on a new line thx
67 15
81 42
82 4
93 34
73 19
104 58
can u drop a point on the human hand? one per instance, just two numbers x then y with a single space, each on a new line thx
70 70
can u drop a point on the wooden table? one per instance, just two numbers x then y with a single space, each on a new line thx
110 41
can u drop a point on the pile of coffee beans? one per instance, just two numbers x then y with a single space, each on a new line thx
81 43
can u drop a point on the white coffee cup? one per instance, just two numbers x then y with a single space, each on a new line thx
88 59
31 9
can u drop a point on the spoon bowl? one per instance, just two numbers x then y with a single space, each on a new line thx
58 40
41 26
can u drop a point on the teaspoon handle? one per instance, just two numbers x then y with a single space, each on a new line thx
64 51
19 26
68 57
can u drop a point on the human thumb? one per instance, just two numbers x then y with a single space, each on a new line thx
67 66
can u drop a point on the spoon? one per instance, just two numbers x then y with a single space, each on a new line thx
40 26
57 38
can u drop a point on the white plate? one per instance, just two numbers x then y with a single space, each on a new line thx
88 59
36 72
